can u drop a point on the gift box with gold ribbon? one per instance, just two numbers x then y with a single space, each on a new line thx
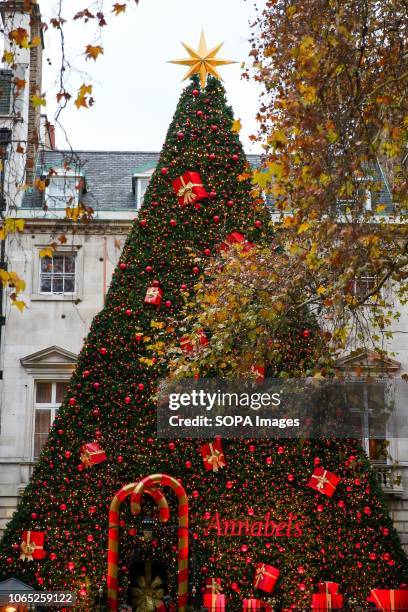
236 238
214 601
323 481
322 602
32 546
91 454
391 600
153 296
213 456
252 604
189 188
266 577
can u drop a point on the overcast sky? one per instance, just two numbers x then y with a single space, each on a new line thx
135 89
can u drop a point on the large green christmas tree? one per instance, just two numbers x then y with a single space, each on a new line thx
348 537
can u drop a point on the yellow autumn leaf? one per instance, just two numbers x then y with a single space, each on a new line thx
303 227
92 52
14 225
3 233
118 8
35 41
46 252
19 304
321 290
4 276
37 101
8 57
236 126
289 221
380 208
261 177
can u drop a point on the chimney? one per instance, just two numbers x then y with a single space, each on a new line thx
28 67
35 83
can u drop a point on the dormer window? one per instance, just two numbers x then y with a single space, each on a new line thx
63 189
140 181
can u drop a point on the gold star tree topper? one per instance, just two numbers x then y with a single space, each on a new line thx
202 61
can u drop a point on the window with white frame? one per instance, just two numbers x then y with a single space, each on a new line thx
140 185
47 399
63 190
369 403
57 274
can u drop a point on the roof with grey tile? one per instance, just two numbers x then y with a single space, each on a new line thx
108 175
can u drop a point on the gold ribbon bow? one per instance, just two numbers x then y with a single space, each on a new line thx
321 480
86 458
148 595
260 573
216 459
27 548
215 587
186 191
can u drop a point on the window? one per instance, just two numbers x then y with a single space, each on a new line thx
62 191
48 398
142 183
362 286
57 274
369 403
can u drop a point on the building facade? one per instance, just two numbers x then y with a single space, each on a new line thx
66 287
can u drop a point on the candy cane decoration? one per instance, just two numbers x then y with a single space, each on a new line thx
113 537
150 482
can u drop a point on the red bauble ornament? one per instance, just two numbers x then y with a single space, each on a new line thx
195 92
71 401
281 450
149 269
122 265
172 446
138 337
306 333
70 565
120 459
229 484
53 556
200 113
235 157
140 386
67 454
207 252
63 507
143 222
212 156
188 464
128 312
291 477
164 171
230 203
180 135
60 432
320 508
216 219
268 460
128 399
34 515
167 303
173 222
86 372
213 194
258 223
196 270
183 287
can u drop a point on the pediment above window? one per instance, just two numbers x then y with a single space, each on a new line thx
364 361
53 359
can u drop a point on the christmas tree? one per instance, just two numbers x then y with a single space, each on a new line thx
252 510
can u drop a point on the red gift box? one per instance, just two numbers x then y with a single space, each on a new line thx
189 188
259 372
92 453
213 456
252 604
326 602
389 600
236 238
266 577
153 296
323 481
186 344
213 585
32 546
328 588
214 601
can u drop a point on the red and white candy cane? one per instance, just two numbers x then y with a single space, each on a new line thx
163 480
113 537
